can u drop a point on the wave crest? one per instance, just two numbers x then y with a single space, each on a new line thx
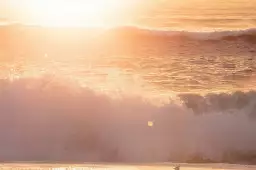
228 35
54 121
234 102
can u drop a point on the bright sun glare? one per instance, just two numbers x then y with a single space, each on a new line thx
73 12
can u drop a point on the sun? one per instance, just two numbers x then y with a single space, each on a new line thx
73 12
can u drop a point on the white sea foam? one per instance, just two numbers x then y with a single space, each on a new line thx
57 121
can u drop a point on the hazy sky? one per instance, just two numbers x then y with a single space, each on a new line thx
33 10
18 9
121 11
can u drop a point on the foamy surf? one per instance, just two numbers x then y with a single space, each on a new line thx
207 77
59 122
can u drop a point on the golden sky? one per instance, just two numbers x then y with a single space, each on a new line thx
67 12
118 12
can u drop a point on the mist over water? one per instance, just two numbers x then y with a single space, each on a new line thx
60 122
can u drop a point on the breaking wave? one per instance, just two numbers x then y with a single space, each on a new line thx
123 34
228 35
59 122
243 34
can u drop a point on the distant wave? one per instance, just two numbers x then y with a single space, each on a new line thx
228 35
247 35
49 120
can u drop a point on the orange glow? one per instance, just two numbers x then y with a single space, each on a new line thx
73 12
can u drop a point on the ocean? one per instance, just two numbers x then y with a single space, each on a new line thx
187 69
108 166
